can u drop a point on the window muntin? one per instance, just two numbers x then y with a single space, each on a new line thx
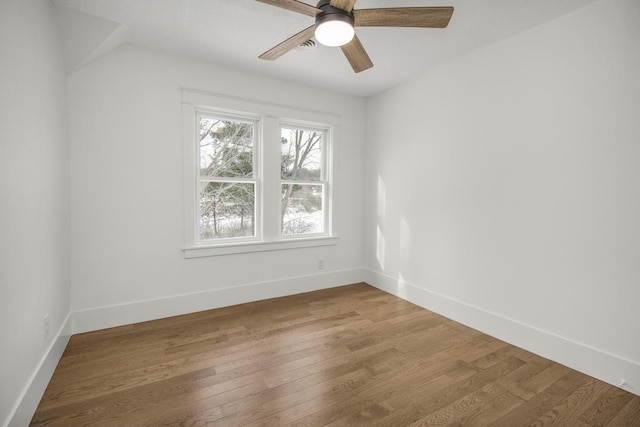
226 178
303 180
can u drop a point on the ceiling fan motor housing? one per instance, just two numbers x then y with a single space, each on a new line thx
330 13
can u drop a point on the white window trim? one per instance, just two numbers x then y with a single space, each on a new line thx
256 163
326 179
269 117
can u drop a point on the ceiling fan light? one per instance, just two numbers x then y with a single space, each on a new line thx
334 32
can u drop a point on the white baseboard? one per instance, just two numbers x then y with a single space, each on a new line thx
140 311
597 363
27 403
591 361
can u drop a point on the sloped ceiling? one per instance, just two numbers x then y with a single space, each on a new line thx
234 33
86 36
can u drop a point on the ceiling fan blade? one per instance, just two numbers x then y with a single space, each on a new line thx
290 43
294 6
427 17
357 56
343 4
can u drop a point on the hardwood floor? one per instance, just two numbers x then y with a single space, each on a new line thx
341 357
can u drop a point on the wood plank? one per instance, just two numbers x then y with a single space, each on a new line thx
600 412
352 355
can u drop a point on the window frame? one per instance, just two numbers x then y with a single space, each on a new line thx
325 175
255 179
269 119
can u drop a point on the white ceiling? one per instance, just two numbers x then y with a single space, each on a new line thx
234 32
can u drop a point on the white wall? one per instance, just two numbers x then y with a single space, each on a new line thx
34 196
502 190
505 190
126 194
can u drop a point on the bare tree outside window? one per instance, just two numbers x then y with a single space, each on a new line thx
227 182
303 185
233 149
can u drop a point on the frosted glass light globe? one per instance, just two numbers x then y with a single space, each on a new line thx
334 33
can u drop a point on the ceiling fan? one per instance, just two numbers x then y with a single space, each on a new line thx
336 19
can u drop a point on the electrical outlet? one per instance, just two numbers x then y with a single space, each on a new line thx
320 264
46 325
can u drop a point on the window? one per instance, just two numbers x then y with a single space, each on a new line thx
257 176
227 180
303 180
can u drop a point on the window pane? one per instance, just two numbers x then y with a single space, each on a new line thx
302 210
301 154
226 210
226 147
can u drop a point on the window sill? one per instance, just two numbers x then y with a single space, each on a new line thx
249 247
